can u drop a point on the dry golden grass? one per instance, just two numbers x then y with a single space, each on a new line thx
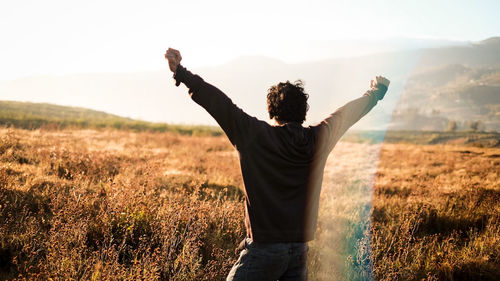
97 205
117 205
436 213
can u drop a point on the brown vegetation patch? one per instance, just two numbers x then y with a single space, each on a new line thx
116 205
436 213
98 205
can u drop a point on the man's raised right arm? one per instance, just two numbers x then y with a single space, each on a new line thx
235 122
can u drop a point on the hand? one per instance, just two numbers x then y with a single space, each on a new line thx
379 80
174 59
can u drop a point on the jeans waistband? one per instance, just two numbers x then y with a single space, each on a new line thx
294 246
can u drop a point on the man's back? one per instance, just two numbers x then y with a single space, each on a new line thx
276 166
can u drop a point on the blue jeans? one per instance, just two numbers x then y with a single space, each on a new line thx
270 261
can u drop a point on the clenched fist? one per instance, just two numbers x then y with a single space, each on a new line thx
174 58
379 80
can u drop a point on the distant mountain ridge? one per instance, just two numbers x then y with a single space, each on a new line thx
490 41
426 79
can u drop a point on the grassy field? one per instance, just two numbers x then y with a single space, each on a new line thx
110 204
436 213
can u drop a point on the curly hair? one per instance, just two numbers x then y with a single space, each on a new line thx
287 102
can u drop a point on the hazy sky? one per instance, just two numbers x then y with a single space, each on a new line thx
63 36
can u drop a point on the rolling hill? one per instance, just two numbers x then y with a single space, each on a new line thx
458 94
43 115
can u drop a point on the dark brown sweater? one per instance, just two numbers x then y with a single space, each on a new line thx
282 166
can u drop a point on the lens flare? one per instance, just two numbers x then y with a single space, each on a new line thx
342 246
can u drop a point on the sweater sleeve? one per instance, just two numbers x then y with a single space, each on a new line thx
334 126
239 126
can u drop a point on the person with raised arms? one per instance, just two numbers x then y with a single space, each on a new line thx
282 168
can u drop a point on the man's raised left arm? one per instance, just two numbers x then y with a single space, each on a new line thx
335 125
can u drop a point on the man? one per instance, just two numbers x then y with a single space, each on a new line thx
282 167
